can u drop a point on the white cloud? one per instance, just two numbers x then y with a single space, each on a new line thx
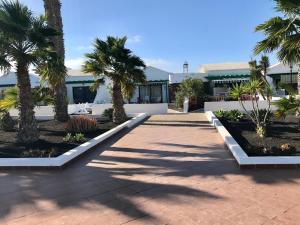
75 63
159 63
135 39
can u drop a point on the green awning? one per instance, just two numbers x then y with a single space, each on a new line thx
227 77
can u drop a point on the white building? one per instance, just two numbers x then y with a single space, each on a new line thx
78 84
155 90
218 77
159 88
10 80
283 74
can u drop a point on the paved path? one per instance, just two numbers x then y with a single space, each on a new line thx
173 169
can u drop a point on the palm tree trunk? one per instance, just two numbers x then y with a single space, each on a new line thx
60 102
54 20
298 79
28 131
119 115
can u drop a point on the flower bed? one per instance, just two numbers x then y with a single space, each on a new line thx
279 134
236 142
69 151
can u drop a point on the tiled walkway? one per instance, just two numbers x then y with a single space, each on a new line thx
173 169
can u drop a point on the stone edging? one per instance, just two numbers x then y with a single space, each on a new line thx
241 157
73 153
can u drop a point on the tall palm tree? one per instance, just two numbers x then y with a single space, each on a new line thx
22 38
283 34
259 71
54 71
113 60
264 64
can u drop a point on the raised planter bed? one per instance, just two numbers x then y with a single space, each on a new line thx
240 155
73 153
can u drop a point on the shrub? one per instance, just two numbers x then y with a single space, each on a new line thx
221 114
81 124
236 115
68 138
191 87
233 115
108 113
6 122
77 138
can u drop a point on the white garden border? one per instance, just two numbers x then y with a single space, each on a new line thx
241 157
73 153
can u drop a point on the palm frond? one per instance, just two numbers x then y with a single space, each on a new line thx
4 64
10 100
288 6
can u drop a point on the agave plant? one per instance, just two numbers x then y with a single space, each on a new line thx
253 89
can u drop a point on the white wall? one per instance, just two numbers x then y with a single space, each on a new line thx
230 105
47 112
150 109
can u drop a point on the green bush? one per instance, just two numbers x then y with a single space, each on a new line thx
233 115
81 124
6 121
77 138
236 115
221 114
108 113
191 87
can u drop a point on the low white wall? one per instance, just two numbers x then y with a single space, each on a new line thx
41 112
239 154
150 109
44 111
47 112
230 105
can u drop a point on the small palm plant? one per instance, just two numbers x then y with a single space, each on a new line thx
253 89
288 106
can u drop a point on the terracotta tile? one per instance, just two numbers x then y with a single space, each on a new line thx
154 174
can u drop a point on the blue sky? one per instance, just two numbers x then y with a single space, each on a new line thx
165 33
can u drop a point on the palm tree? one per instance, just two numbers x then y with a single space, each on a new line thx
22 38
259 71
264 64
55 70
113 60
288 106
283 34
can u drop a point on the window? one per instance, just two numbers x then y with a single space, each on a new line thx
83 95
150 93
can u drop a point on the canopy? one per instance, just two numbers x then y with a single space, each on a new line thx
233 77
